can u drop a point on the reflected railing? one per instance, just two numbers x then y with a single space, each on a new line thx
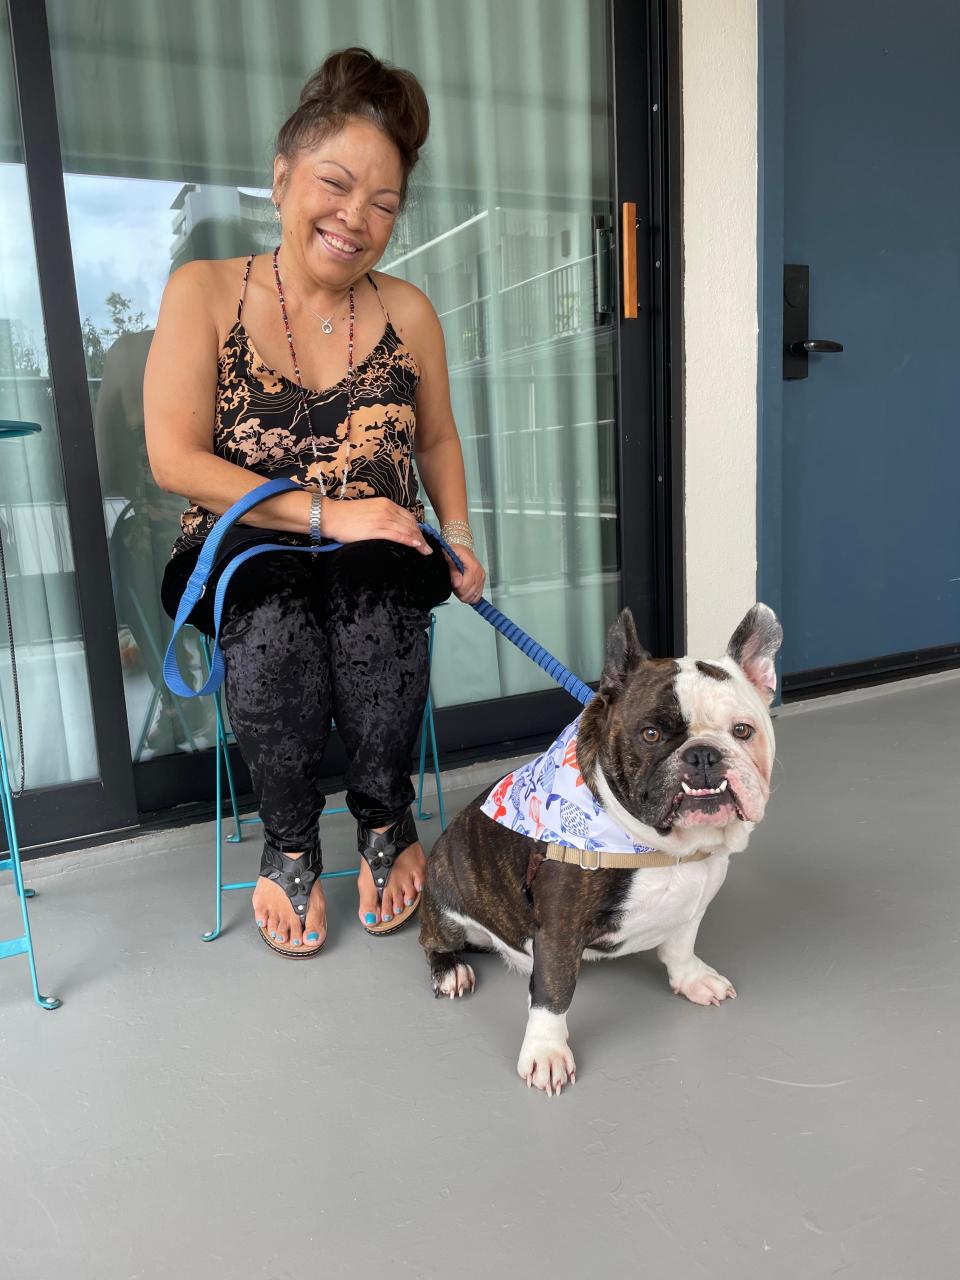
555 304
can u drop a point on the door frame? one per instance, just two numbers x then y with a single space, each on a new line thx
646 163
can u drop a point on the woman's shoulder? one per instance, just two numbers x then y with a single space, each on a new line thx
214 276
211 287
410 310
403 297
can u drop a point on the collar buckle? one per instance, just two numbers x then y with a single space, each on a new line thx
585 866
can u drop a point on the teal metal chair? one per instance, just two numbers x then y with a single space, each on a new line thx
23 944
428 740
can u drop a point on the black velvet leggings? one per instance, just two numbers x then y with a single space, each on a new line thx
310 639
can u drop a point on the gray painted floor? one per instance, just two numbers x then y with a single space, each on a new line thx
215 1111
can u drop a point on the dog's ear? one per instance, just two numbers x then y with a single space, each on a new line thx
754 647
624 655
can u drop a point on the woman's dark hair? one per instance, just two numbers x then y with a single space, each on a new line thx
352 82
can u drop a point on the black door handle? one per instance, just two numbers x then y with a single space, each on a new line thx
820 345
797 347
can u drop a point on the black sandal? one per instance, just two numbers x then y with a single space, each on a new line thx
380 850
296 877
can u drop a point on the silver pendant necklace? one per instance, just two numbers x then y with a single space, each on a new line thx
326 322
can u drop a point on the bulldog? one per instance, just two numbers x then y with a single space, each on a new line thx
615 839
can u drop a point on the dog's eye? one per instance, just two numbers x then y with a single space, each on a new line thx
743 731
651 735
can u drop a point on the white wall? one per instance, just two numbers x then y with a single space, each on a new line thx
719 42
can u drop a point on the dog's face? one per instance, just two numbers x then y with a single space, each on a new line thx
684 748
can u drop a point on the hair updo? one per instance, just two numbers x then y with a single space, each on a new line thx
352 82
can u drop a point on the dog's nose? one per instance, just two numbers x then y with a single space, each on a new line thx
701 756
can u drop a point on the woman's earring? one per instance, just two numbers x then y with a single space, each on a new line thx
276 210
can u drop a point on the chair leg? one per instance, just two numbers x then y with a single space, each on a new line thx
427 720
147 725
24 944
436 765
218 839
228 767
421 812
222 746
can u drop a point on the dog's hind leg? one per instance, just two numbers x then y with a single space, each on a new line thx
688 974
442 940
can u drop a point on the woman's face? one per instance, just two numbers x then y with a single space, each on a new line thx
339 202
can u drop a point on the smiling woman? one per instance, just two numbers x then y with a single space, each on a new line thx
229 401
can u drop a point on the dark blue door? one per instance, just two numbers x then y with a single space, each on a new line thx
871 438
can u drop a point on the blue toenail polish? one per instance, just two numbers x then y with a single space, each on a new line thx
370 918
260 924
399 910
386 918
409 902
313 937
295 942
274 936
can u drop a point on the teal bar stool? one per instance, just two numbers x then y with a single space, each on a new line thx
428 740
22 945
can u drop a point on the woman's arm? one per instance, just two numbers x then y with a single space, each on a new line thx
179 398
438 452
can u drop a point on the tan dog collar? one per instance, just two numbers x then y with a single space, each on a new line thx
595 860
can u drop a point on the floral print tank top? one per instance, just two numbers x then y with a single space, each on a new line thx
260 424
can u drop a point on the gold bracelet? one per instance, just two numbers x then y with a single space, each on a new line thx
457 531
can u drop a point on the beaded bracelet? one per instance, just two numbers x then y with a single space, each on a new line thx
457 531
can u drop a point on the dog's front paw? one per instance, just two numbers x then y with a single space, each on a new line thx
547 1066
701 984
459 980
545 1059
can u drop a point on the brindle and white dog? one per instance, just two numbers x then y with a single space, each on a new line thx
676 756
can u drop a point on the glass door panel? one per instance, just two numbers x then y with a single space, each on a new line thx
50 656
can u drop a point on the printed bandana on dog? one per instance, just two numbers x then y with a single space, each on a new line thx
548 800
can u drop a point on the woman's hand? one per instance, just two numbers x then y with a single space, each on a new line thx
467 586
361 519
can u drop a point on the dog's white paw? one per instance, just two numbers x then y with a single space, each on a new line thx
456 982
546 1066
702 985
545 1059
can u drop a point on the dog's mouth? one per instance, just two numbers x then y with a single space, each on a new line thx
704 806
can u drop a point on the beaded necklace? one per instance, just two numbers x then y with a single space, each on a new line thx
296 368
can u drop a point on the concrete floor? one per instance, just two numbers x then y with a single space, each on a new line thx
215 1111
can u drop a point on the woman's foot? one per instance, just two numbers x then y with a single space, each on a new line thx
406 880
274 913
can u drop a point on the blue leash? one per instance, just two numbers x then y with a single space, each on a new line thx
197 585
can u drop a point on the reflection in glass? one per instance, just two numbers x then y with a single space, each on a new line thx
498 233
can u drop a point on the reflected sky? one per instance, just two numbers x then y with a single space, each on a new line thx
121 232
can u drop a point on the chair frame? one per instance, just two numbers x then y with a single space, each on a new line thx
23 944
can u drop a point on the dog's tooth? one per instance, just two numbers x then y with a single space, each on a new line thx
723 785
